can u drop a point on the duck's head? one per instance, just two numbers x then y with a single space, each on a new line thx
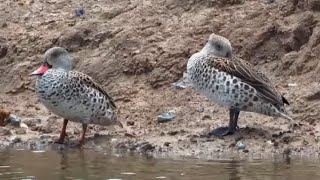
56 58
218 46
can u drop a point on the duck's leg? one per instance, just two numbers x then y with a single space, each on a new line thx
83 135
63 133
233 124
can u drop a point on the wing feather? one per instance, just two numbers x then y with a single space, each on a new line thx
88 81
246 72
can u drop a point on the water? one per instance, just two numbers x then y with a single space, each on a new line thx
76 164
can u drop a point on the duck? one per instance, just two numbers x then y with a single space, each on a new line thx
234 83
72 95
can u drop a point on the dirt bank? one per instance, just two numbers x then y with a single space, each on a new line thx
137 48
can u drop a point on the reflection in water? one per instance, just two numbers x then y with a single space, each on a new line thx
87 164
233 170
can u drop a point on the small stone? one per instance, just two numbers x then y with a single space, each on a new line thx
276 144
166 117
167 144
79 11
14 120
240 145
179 85
200 109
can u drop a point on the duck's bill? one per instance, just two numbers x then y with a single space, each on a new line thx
41 70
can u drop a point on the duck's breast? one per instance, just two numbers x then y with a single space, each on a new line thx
72 100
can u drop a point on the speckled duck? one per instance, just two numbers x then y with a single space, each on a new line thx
72 95
233 83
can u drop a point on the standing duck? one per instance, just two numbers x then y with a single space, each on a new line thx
72 95
233 83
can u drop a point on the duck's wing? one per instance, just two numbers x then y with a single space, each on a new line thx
89 82
246 72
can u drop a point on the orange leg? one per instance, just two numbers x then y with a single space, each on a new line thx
83 135
63 133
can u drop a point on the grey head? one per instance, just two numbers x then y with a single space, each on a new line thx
218 46
58 58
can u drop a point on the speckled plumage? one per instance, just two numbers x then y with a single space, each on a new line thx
232 82
73 95
76 97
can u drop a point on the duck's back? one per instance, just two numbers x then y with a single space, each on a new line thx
76 97
234 83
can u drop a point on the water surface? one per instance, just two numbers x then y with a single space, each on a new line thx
88 164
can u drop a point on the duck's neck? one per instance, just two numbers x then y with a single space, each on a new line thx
194 59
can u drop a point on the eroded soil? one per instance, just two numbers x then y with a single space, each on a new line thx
137 48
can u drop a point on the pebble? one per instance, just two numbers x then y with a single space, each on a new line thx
166 117
179 85
14 120
79 11
240 145
200 109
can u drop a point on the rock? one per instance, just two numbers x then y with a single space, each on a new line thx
245 151
167 144
166 117
14 120
200 109
79 11
240 145
179 85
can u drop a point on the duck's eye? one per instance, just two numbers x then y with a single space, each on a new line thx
50 66
219 47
